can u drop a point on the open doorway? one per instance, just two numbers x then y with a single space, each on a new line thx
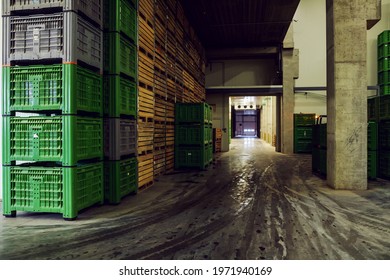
255 117
246 124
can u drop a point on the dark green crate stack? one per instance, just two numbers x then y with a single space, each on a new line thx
52 125
303 133
384 62
319 153
193 135
120 98
379 107
372 150
319 148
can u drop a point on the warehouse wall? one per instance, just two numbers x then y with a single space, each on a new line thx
241 72
221 119
268 120
310 39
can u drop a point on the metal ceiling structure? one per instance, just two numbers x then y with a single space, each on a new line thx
240 23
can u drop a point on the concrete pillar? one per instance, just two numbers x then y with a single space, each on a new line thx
347 92
290 73
278 147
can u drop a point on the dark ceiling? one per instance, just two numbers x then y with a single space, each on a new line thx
240 23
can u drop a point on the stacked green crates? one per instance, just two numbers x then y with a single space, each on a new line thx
319 147
193 135
52 108
120 99
372 150
319 158
384 62
382 106
303 133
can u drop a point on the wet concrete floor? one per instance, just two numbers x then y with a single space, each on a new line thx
252 203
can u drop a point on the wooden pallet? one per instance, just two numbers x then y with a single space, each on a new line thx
159 162
145 102
170 134
146 35
160 109
146 9
171 5
169 158
145 68
145 135
145 170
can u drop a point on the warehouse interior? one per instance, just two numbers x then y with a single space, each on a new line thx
248 189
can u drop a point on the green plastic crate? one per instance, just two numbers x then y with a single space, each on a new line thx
323 162
193 134
121 179
303 132
64 190
383 50
315 161
120 97
384 164
384 64
65 87
373 109
384 107
319 161
65 139
384 90
372 136
372 162
304 119
384 78
121 16
193 113
384 135
192 157
323 135
120 55
209 151
384 37
303 146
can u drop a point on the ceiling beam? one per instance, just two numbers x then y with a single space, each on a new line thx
241 53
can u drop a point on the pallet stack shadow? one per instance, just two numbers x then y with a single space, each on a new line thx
171 69
319 152
120 99
217 140
52 93
379 107
193 135
303 132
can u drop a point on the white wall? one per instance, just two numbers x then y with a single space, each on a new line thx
310 39
241 72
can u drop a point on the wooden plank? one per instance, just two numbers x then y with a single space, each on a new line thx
145 167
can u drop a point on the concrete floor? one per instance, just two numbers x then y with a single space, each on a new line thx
252 203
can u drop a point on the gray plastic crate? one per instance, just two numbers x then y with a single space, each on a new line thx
90 8
120 137
64 35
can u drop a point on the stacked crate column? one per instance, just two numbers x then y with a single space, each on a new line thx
53 105
120 98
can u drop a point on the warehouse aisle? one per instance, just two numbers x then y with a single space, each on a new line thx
252 203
